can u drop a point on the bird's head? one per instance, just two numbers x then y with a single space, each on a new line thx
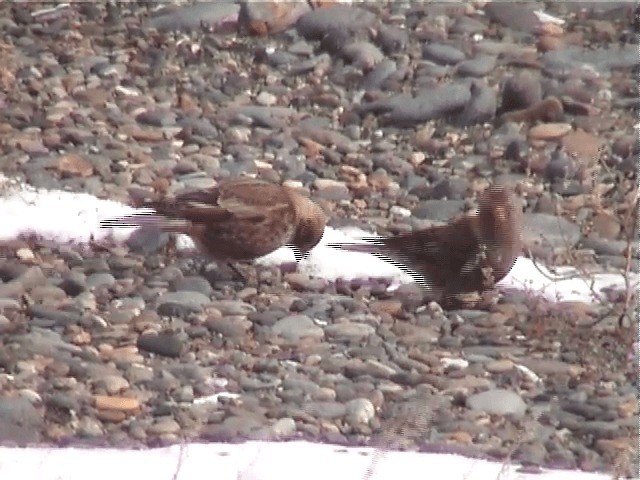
310 228
500 220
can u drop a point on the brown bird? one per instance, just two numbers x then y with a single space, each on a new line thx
239 219
469 254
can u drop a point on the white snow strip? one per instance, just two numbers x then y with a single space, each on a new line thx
331 263
61 216
568 285
546 18
258 461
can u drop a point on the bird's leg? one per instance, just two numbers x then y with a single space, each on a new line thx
237 273
171 248
488 278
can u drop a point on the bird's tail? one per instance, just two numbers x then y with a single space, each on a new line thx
387 249
372 245
398 246
147 220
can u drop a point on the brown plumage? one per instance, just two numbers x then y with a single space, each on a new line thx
240 219
469 254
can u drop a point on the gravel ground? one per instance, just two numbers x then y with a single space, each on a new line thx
393 115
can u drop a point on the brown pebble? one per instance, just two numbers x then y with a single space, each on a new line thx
142 134
613 446
310 148
548 43
379 180
585 146
322 3
51 139
74 165
391 307
95 97
502 365
549 131
551 29
463 438
606 226
520 92
266 18
576 107
122 404
628 409
111 416
57 432
82 338
422 137
187 103
548 110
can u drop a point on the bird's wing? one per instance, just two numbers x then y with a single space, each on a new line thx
200 206
254 200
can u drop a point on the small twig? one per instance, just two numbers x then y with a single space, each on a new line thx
556 277
582 272
180 459
629 289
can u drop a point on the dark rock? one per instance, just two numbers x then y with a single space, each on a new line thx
374 79
391 39
315 24
481 107
517 16
166 344
404 110
479 66
438 210
560 166
442 54
520 92
190 17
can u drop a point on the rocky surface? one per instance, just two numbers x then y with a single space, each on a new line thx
377 110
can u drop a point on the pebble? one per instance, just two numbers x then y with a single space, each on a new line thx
296 327
481 107
549 131
165 344
315 24
586 146
359 411
182 302
519 17
122 404
520 91
188 17
20 421
498 402
269 18
427 105
348 331
442 54
480 66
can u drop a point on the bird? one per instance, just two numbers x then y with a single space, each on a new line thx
237 220
469 254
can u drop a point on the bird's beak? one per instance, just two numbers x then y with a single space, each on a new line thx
297 253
